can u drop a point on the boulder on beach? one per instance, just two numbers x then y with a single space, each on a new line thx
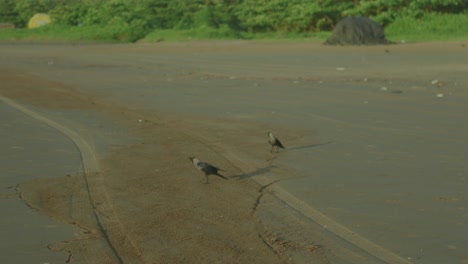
357 31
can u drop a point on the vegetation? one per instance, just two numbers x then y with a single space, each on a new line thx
433 26
156 20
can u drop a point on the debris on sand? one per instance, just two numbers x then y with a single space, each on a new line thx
357 31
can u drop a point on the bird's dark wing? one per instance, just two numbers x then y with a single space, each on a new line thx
217 173
278 143
207 168
211 170
214 167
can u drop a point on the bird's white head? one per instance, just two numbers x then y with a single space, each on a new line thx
194 160
270 135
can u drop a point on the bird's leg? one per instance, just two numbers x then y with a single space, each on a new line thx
206 179
272 148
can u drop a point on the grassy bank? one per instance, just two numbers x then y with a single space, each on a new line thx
69 33
210 33
432 27
110 34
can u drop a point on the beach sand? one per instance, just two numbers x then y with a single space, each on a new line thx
140 200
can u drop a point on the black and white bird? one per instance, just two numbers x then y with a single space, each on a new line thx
274 142
206 168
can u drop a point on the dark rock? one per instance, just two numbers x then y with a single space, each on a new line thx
357 31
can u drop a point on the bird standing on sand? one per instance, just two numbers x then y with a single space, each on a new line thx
206 168
274 142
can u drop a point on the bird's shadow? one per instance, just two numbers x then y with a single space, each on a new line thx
270 167
309 146
254 173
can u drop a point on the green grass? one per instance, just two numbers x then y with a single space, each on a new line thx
293 36
120 34
200 33
51 32
65 33
432 27
227 34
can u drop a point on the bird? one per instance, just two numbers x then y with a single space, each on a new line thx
274 142
206 168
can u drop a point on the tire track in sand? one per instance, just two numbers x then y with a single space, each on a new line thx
103 211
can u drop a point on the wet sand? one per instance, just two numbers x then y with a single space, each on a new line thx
28 235
375 169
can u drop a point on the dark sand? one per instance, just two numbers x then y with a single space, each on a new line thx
26 234
375 169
